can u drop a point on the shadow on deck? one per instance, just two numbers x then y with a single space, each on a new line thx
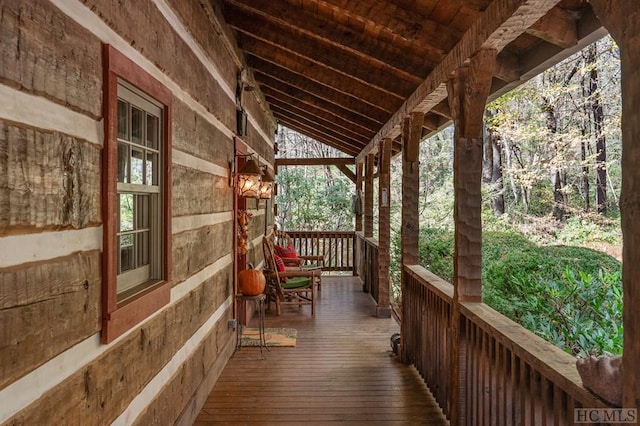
342 370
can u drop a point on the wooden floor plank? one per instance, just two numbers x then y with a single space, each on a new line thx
341 371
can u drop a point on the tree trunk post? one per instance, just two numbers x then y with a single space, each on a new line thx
468 90
411 134
383 310
622 19
359 181
368 197
358 214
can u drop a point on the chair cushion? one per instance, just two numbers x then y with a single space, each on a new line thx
289 252
296 282
280 266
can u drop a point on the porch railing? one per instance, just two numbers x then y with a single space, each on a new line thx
367 249
508 375
337 247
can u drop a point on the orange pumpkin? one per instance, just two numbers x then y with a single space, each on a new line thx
251 282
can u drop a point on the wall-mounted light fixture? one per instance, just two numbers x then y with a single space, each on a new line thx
266 188
248 179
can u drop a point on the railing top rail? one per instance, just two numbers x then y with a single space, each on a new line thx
549 360
331 233
434 282
369 240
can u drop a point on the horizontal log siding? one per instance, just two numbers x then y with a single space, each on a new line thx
196 192
51 181
203 368
98 392
35 320
511 375
140 22
195 135
48 180
69 74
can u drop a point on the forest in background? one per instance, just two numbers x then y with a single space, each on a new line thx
551 178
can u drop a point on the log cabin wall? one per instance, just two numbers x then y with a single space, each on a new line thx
53 368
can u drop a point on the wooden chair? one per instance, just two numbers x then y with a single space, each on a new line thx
294 286
315 262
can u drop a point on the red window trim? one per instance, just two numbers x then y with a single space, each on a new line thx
117 318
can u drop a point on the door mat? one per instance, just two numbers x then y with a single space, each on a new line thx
274 337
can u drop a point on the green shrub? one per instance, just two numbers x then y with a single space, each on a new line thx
530 284
581 314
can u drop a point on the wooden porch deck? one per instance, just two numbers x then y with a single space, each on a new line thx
341 371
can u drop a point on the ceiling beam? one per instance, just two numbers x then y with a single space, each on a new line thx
324 131
338 144
274 29
383 108
558 27
334 161
322 118
315 71
501 23
299 97
310 120
342 35
397 21
286 49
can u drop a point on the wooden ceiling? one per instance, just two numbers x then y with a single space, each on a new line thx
347 72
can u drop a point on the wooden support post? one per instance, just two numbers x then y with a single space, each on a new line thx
411 134
368 197
383 310
621 18
358 214
359 181
467 90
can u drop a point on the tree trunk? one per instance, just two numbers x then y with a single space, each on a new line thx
509 163
584 149
598 121
559 175
487 153
497 203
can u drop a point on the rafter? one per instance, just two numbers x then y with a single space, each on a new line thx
311 121
345 122
317 134
381 109
323 132
386 58
300 96
557 27
331 161
322 118
388 17
285 49
500 24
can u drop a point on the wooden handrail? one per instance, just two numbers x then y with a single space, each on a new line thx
511 376
337 247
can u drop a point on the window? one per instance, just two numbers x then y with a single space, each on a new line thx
137 196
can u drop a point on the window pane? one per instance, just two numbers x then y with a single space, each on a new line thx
137 117
137 166
152 170
142 212
126 253
142 245
123 109
123 162
126 212
153 131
